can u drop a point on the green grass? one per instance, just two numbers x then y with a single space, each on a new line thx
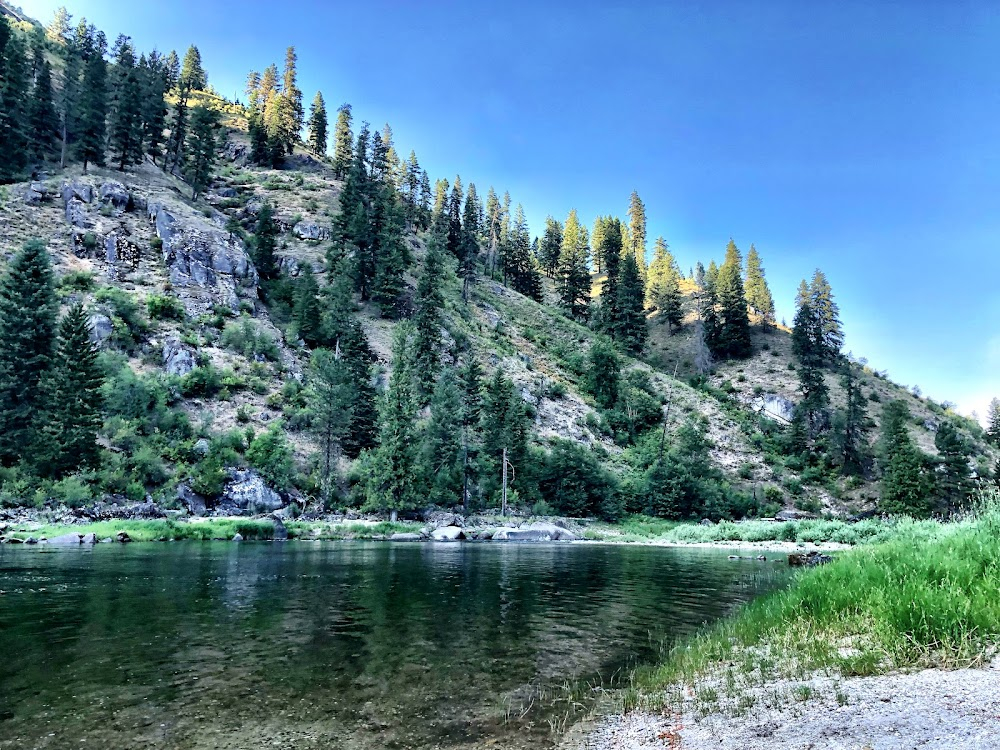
919 600
251 529
645 529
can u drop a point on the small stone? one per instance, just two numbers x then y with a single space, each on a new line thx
237 537
123 537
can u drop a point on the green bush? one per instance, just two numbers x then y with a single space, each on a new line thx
162 307
129 327
77 281
245 337
271 455
203 380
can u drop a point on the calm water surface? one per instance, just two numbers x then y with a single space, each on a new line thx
336 645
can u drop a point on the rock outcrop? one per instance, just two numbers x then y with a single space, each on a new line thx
178 359
248 491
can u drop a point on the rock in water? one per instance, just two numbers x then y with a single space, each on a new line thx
64 540
90 538
237 537
447 534
405 538
123 537
809 559
280 533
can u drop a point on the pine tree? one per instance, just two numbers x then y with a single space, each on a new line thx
172 70
93 105
293 113
521 272
573 275
663 285
993 421
636 245
611 254
43 122
503 425
442 448
317 125
470 386
732 339
550 247
831 334
14 80
192 74
631 327
454 237
954 478
854 426
430 304
59 30
153 85
265 242
331 398
906 486
73 392
69 99
468 251
343 142
27 344
126 106
604 375
758 293
812 409
200 150
306 311
391 483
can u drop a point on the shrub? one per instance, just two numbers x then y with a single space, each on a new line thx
162 307
271 455
203 380
77 281
246 337
127 322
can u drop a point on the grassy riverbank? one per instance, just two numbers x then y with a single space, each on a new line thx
925 597
205 529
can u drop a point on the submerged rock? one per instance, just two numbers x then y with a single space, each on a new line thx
66 540
123 537
405 537
90 538
280 533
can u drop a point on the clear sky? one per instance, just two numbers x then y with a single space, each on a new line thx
859 137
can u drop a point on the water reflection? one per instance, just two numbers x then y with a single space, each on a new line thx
346 645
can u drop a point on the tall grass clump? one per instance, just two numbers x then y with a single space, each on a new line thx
927 597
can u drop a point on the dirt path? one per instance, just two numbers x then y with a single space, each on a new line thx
932 709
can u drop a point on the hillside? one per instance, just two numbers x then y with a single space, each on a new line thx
184 317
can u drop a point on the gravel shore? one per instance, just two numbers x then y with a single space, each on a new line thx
933 709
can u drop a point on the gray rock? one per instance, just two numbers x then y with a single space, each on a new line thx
177 359
101 328
31 195
706 522
237 537
535 532
114 192
776 407
66 540
31 540
405 538
194 502
90 538
248 491
81 191
227 192
307 230
280 533
437 519
111 248
447 534
107 540
123 537
76 214
201 447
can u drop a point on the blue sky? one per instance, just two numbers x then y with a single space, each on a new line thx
858 137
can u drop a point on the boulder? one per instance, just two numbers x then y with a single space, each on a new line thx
706 522
280 533
90 538
405 538
776 407
437 519
227 192
201 447
177 359
809 559
107 540
101 328
111 248
66 540
76 214
194 502
80 191
237 537
31 194
114 192
307 230
447 534
247 490
535 532
123 537
31 540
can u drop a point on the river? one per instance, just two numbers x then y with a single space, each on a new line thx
340 645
